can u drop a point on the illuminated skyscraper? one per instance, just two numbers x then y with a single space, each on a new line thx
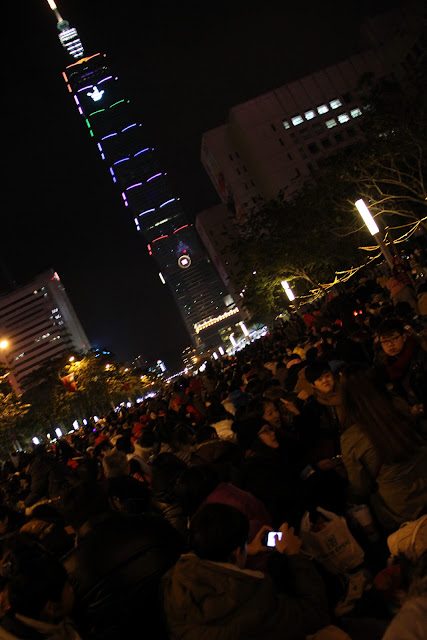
39 324
183 264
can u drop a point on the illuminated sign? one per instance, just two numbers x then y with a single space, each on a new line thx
96 94
184 262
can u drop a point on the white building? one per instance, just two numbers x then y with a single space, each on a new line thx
274 141
38 323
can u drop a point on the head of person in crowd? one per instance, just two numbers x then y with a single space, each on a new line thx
194 485
265 410
124 444
319 374
205 433
82 503
38 586
391 336
254 434
219 533
115 464
367 403
166 469
146 441
47 527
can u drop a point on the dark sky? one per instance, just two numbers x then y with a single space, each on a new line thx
184 64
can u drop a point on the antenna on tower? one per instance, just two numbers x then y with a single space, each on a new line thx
54 8
68 36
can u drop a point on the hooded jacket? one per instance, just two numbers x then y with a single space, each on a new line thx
206 600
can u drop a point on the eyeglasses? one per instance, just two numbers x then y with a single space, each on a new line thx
392 340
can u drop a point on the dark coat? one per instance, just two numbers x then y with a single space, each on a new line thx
268 475
115 571
48 478
206 600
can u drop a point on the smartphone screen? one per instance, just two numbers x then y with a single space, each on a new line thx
271 542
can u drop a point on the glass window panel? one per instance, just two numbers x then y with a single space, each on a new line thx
296 120
323 108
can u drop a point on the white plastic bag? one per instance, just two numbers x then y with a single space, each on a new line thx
333 546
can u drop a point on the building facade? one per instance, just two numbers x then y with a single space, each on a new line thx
132 162
273 142
38 323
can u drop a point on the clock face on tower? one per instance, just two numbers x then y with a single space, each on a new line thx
184 261
96 94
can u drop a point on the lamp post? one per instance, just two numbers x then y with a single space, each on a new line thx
374 230
288 290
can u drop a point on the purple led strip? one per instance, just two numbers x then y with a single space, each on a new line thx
125 199
167 202
109 136
104 79
129 127
156 175
142 151
132 186
83 88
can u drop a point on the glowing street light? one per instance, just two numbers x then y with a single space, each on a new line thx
244 328
4 344
71 359
374 230
288 290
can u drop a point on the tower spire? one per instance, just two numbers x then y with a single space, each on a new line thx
68 36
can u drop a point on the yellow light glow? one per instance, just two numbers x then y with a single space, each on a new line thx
199 326
4 344
71 359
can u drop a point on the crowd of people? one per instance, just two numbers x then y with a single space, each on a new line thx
281 493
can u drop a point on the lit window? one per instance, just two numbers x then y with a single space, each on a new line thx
296 120
286 124
309 115
323 108
355 113
331 123
343 117
335 103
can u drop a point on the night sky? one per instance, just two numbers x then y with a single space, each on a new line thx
183 64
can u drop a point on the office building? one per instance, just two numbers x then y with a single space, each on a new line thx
273 142
38 323
148 199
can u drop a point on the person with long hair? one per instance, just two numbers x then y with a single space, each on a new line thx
383 452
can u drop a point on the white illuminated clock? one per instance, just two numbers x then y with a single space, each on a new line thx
96 94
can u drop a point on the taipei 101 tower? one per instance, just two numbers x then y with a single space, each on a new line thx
209 313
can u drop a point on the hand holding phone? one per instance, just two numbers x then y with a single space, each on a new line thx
288 543
259 543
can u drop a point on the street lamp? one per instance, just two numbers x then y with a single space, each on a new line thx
288 290
4 344
374 230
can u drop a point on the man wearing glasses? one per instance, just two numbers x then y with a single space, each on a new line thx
402 363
